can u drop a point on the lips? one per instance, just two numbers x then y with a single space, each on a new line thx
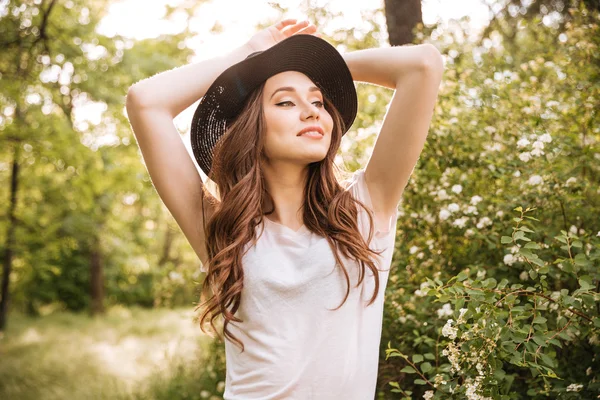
311 129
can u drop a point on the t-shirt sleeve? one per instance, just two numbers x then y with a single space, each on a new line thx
359 190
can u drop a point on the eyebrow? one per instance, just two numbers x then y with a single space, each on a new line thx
291 89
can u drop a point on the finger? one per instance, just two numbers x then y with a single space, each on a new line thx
281 24
307 31
295 28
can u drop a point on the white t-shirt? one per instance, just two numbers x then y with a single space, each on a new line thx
295 348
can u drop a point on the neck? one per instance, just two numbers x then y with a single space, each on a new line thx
285 184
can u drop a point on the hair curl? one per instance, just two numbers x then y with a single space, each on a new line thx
329 211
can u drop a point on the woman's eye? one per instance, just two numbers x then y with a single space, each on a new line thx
284 102
320 103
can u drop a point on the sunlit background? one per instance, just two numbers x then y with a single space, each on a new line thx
493 292
237 21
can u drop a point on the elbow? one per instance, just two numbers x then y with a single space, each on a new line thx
132 99
433 61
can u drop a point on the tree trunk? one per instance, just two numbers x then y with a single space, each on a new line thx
402 16
97 279
10 239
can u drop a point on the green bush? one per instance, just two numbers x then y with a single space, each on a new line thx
493 292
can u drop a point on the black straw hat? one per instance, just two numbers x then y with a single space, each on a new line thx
225 98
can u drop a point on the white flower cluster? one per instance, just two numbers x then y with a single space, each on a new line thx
460 319
483 222
422 291
460 222
472 387
537 146
509 259
480 369
453 354
445 311
524 275
494 147
428 395
449 331
574 387
442 195
439 380
535 180
469 209
570 181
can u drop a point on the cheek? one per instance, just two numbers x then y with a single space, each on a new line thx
327 120
278 122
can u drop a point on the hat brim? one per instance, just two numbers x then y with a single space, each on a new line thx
224 99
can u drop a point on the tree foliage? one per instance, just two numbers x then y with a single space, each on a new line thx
495 289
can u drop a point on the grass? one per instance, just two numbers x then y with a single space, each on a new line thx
129 353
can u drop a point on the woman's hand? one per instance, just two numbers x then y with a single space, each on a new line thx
279 31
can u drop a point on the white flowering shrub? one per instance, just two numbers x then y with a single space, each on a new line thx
493 292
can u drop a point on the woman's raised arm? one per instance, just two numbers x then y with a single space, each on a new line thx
415 72
151 106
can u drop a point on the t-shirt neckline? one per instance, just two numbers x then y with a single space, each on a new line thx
283 229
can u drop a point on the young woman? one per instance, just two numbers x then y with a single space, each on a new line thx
297 260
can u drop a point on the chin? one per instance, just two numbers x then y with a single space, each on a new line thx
315 158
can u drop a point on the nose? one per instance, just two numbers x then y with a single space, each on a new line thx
310 111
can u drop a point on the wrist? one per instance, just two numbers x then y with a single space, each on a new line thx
239 53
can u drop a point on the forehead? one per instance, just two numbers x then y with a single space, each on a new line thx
288 78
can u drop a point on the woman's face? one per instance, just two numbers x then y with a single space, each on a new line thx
291 103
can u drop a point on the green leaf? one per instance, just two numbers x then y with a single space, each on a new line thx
561 239
585 282
539 340
489 283
539 320
533 274
581 260
532 245
459 303
420 382
409 370
506 239
499 373
426 367
537 261
417 358
519 235
547 360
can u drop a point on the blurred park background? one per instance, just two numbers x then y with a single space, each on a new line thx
494 286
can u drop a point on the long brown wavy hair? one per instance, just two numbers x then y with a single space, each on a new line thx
328 210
